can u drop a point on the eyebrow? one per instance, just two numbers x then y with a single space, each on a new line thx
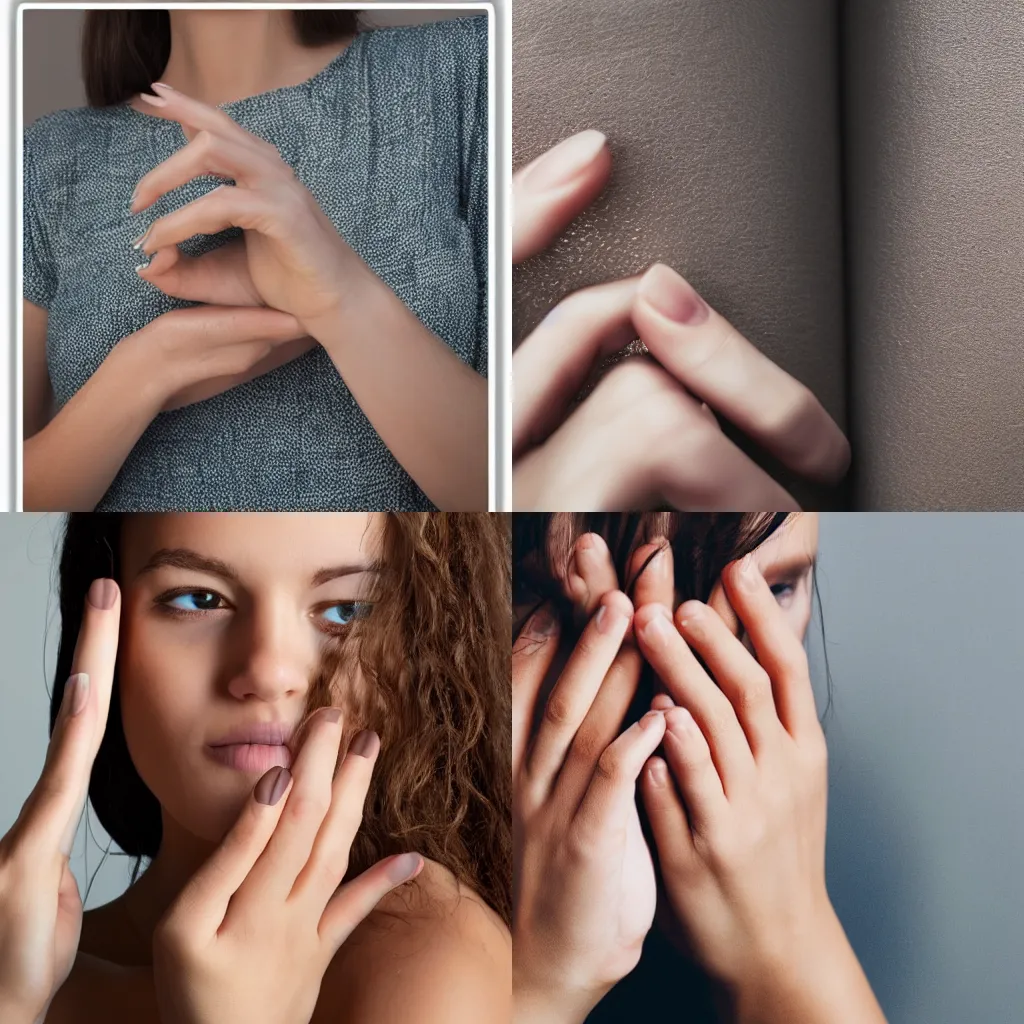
186 558
793 565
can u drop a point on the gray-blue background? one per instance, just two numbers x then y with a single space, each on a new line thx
923 617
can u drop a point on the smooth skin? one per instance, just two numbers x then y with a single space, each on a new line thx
309 287
742 853
254 930
648 435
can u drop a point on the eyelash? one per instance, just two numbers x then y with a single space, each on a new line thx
352 609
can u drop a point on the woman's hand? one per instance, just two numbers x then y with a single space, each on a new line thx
584 889
297 261
742 853
253 932
40 908
219 277
195 353
648 435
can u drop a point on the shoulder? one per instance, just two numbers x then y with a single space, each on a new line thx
432 953
453 48
58 145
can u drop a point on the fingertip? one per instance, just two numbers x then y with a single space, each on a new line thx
103 594
652 623
404 867
662 702
656 773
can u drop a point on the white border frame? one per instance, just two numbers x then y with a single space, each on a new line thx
499 477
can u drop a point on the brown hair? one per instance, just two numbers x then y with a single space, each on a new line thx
434 649
125 51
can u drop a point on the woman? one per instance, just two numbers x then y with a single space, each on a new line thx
238 655
647 435
734 808
337 355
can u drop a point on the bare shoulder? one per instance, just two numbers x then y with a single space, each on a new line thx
431 952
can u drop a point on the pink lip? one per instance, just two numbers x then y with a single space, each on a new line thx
251 757
256 747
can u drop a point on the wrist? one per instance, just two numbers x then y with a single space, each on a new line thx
147 368
535 1004
359 294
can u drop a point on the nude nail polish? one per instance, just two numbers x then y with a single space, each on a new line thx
560 165
672 296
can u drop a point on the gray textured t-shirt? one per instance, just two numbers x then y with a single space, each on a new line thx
391 140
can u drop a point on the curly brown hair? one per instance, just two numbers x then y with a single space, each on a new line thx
434 649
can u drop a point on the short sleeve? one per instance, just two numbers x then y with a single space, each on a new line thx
476 172
40 280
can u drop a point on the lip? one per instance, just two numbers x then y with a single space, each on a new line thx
256 747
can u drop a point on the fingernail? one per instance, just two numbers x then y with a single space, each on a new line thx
76 693
656 628
162 85
748 574
364 743
659 773
560 165
102 594
156 101
333 715
679 721
673 297
404 867
271 787
542 624
136 243
650 718
609 619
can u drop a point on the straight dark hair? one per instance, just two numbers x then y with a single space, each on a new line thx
124 52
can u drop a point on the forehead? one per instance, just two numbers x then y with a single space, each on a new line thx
258 543
796 541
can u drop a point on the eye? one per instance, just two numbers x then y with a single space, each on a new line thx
195 601
783 592
344 613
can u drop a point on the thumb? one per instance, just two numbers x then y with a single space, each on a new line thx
356 899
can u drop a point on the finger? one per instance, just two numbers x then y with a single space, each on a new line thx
208 278
204 901
706 472
210 154
574 693
717 364
669 825
193 115
224 207
53 810
690 687
356 900
779 650
612 792
533 652
661 702
328 861
600 728
309 800
554 362
650 579
689 758
551 191
734 669
591 574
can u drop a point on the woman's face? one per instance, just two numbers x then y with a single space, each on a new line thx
225 621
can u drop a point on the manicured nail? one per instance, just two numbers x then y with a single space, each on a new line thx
137 243
609 619
673 297
749 575
271 787
76 694
102 594
658 773
333 715
560 165
156 101
404 867
162 85
364 743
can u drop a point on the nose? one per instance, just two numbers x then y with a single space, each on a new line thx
275 657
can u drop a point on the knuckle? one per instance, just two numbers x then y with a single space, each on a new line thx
307 807
754 691
609 765
587 746
558 710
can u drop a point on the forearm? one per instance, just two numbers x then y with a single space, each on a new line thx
824 986
71 462
532 1005
428 407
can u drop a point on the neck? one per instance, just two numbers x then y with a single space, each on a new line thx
220 56
180 857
